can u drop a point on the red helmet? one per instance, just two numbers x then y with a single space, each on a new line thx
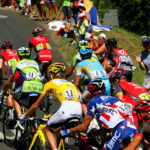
37 30
117 74
143 110
6 45
96 86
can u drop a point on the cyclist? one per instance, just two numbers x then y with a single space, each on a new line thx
112 114
128 90
142 134
31 77
77 58
92 68
42 47
67 95
118 58
8 58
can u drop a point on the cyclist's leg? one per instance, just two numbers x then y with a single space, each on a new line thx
121 135
67 110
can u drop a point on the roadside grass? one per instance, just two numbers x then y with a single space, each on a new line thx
127 40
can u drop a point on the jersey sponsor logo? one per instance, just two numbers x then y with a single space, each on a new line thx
24 64
113 140
122 52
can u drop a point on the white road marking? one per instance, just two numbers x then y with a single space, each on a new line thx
2 16
1 136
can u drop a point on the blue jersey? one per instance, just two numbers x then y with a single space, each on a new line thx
92 68
110 111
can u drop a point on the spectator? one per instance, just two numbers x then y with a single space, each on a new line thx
74 7
66 9
41 9
101 44
144 61
82 26
92 43
52 4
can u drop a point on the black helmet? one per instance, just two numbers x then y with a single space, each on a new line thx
117 74
6 45
111 42
96 86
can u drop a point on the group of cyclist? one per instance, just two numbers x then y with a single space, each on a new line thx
124 116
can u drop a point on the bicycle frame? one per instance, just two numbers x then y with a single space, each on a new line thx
61 144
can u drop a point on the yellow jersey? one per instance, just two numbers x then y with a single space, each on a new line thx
63 90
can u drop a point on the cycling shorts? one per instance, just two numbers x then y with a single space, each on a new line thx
121 137
68 109
44 56
28 88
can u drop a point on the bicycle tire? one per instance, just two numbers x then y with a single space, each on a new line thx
9 131
25 141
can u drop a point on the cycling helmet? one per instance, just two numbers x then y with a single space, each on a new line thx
23 52
143 110
83 44
145 40
117 74
57 68
6 45
85 51
37 30
96 86
111 42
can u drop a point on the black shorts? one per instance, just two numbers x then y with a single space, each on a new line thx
67 11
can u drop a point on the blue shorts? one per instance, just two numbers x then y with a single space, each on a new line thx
51 1
121 136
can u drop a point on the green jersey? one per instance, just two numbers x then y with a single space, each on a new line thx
28 70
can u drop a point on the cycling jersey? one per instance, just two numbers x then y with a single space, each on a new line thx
62 89
114 114
122 61
9 57
39 43
94 70
31 76
132 90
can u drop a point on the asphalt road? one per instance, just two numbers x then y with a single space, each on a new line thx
17 29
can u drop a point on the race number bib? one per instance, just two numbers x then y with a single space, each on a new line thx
125 59
39 47
30 75
97 74
125 108
144 96
69 94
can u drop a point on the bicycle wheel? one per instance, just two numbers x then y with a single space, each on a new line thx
9 130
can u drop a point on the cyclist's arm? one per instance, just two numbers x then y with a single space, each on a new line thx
77 80
8 82
69 71
35 106
83 126
119 91
134 143
105 63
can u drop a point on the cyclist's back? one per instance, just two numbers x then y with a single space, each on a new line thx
63 90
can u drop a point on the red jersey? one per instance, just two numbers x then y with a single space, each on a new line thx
9 57
39 43
132 91
121 59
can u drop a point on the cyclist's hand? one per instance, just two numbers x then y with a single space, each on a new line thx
21 117
64 132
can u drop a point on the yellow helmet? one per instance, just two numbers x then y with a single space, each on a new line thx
57 68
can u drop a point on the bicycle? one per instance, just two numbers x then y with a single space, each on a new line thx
12 128
38 141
